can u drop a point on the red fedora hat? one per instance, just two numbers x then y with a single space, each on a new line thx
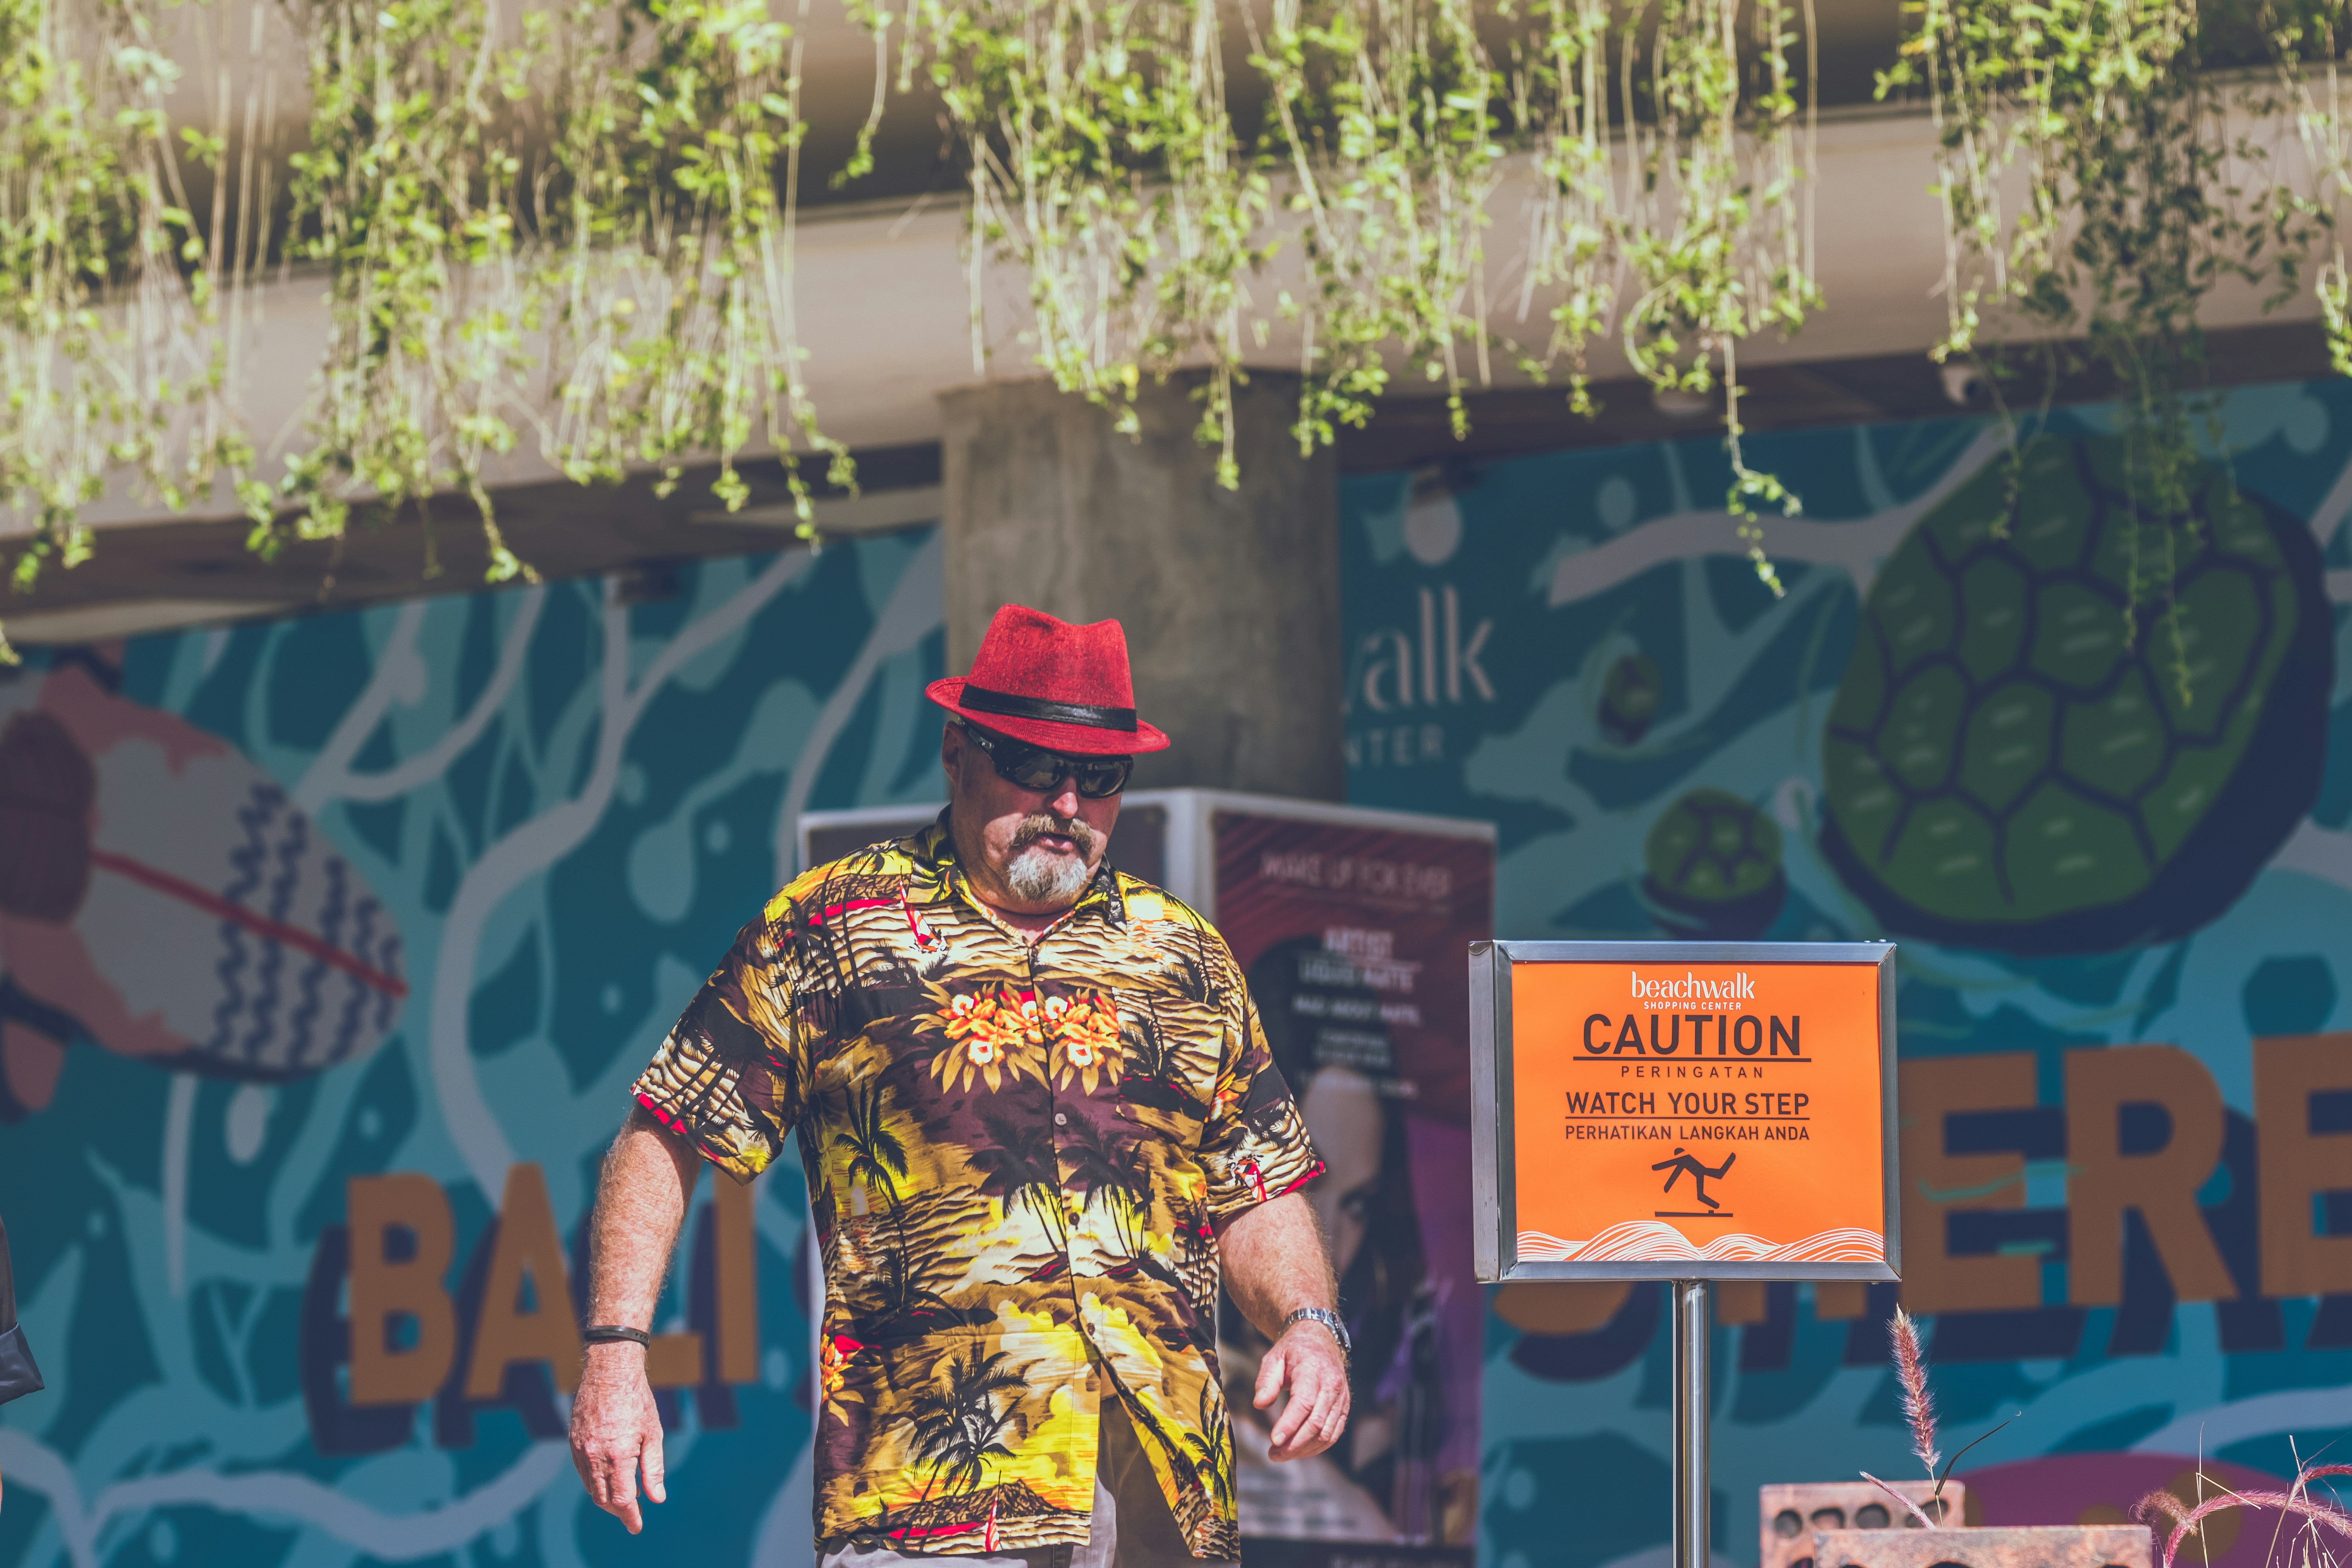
1052 684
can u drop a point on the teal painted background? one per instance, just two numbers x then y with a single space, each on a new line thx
564 807
1587 663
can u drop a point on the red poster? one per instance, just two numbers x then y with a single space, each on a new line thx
1355 940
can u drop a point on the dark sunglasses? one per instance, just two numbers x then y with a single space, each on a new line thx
1038 770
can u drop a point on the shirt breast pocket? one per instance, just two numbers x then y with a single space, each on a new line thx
1168 1063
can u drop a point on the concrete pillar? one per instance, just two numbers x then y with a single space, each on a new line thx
1231 598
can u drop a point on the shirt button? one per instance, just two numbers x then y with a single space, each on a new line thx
1061 1118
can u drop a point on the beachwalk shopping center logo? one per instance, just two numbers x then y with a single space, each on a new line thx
1689 1019
1690 988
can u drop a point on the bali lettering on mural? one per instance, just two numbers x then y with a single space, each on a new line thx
382 1331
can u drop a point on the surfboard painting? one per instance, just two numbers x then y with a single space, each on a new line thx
161 897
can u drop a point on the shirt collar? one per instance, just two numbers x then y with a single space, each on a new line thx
936 872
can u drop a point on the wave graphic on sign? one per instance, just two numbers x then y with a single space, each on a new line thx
1648 1240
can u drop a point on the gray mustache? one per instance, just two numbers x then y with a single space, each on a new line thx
1038 824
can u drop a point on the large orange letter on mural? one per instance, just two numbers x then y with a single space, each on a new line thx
676 1361
734 1276
383 1290
1936 1183
2297 1163
2102 1181
528 1244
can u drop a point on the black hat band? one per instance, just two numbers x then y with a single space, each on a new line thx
1045 711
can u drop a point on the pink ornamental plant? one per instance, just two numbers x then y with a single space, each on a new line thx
1919 1415
2297 1501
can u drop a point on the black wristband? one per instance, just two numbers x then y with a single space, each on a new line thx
608 1333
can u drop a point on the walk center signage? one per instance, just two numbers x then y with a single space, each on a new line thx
1684 1111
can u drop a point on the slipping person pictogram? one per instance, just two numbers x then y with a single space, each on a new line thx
1699 1175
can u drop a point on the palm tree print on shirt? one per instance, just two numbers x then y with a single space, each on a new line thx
877 1156
1013 1173
1154 1072
1210 1447
1105 1168
957 1426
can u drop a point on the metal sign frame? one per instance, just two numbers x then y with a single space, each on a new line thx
1494 1125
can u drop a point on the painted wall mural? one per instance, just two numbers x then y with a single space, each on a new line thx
311 1044
2127 1127
328 948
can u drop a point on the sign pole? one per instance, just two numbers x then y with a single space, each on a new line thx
1692 1319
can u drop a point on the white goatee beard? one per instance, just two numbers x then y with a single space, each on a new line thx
1038 876
1049 880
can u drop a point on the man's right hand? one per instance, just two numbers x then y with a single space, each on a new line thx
616 1431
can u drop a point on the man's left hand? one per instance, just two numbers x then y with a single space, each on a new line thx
1305 1364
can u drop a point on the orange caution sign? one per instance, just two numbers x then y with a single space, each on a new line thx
1684 1111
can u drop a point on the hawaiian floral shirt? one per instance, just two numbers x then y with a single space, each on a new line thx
1017 1154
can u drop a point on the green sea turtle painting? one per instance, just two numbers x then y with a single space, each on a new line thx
1713 869
2005 767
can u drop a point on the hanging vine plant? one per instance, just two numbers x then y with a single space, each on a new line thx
1685 218
62 237
627 300
669 219
1386 112
1104 167
110 288
1103 164
1561 86
1723 250
2142 191
1681 218
407 192
2307 41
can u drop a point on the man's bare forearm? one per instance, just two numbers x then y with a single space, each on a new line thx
640 1202
1275 1262
641 1198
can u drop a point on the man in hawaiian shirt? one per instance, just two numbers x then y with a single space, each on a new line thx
1037 1114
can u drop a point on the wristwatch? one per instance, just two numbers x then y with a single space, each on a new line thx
1329 1320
